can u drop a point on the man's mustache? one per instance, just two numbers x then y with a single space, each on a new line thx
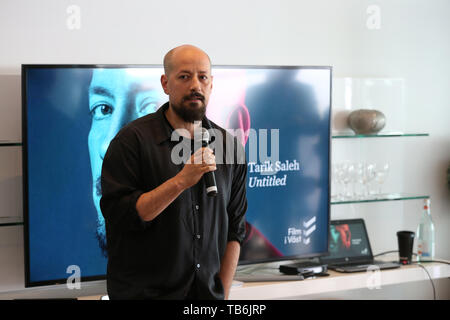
194 95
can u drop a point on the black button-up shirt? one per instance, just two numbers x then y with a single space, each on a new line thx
178 254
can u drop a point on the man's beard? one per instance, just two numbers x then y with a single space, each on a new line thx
101 237
190 114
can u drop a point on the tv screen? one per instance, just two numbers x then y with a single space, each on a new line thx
281 115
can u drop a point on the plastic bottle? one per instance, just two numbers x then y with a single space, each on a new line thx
425 234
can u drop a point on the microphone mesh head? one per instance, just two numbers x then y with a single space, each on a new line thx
205 135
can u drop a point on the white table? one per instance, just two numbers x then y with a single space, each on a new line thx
338 285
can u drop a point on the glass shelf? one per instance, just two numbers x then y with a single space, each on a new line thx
337 135
11 221
382 197
8 143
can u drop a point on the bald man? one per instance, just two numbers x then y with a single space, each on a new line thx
166 239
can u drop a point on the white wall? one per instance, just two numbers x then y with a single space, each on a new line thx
411 44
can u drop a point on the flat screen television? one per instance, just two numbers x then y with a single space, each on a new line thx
71 113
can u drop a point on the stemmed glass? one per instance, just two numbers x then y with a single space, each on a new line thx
352 171
334 182
381 173
346 179
340 177
349 178
344 174
365 173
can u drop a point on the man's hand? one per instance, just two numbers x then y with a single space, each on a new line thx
152 203
202 161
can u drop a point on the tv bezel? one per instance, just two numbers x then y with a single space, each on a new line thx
26 67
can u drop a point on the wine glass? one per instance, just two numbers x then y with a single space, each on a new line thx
334 182
370 171
365 174
353 178
346 179
381 173
340 175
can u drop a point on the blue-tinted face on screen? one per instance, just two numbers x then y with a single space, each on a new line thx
116 97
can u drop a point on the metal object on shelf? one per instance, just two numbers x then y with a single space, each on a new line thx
365 121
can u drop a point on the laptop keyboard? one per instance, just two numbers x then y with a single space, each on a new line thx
354 267
356 264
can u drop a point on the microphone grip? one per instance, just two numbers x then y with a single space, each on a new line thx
209 177
211 186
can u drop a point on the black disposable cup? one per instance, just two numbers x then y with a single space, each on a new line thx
405 246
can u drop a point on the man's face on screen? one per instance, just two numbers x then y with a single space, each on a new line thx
116 97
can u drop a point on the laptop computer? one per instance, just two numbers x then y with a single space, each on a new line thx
349 248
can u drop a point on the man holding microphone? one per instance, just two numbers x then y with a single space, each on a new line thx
166 238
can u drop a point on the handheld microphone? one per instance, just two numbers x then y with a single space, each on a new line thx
210 177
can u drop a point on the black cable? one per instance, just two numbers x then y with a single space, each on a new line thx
429 276
431 261
419 264
414 254
392 251
386 252
436 261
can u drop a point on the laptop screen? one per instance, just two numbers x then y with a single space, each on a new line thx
348 241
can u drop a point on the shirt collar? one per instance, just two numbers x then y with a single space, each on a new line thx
166 129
